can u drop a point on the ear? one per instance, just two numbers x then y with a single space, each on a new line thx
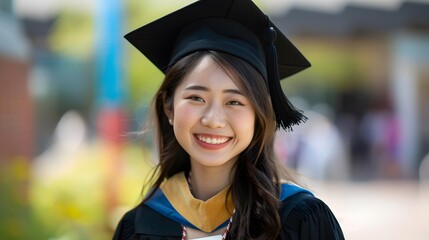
168 109
169 115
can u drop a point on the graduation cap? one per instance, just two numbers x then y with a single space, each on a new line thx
236 27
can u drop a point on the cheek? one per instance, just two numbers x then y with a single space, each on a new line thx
245 123
183 113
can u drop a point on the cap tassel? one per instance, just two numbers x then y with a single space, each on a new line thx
285 113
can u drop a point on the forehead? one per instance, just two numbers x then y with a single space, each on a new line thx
209 72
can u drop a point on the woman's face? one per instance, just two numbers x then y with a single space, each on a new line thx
212 119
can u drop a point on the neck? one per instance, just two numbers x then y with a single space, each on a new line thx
207 182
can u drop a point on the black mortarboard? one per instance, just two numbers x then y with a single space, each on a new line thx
237 27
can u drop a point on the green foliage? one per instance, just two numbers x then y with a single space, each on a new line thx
17 220
73 34
332 68
71 197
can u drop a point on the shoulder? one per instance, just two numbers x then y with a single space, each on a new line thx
144 221
126 226
307 217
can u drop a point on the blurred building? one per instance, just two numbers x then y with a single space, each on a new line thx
374 73
16 106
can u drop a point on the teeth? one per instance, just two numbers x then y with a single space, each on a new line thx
213 140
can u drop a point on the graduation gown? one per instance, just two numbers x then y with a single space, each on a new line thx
303 217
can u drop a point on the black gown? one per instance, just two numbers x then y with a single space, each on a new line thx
303 216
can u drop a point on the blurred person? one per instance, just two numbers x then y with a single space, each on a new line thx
315 150
215 117
380 130
69 136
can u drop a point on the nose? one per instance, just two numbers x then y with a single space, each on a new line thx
214 116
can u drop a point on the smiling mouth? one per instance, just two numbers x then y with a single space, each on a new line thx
213 140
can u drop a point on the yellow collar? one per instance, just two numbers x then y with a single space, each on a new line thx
205 215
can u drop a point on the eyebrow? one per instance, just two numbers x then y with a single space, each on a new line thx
205 89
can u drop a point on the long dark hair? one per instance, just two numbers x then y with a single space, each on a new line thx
255 184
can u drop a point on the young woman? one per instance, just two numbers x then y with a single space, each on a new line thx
215 117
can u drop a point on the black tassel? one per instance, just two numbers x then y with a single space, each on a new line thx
285 113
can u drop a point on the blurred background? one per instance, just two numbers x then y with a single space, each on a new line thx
74 96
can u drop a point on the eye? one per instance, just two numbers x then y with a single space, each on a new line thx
196 99
234 103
